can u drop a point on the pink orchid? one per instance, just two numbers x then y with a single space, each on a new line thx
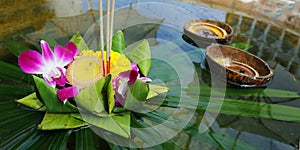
50 64
120 83
69 92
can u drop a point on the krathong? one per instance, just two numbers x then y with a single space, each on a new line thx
73 90
81 87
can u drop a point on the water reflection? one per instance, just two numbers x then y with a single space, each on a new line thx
274 44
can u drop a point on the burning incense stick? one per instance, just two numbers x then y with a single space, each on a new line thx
110 6
107 35
111 31
101 36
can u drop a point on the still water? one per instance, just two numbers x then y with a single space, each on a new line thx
162 22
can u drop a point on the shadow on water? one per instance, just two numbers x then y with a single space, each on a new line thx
274 44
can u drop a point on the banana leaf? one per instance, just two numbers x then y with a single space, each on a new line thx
141 54
97 98
118 42
116 123
60 122
33 102
109 93
136 95
50 99
91 98
155 90
79 42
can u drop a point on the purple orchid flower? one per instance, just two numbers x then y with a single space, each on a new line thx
69 92
50 64
120 83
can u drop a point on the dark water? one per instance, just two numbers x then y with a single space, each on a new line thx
161 23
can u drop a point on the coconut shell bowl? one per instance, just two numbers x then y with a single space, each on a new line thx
203 32
242 68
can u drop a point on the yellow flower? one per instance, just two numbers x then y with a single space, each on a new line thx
87 68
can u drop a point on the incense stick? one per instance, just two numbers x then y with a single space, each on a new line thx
101 36
107 35
111 29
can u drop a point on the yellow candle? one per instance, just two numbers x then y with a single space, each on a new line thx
84 71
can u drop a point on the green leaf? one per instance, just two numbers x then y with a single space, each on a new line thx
240 45
118 42
15 47
86 139
50 99
58 140
10 140
239 92
119 110
141 54
136 95
260 110
219 140
110 94
259 92
23 143
215 138
115 123
33 102
18 127
60 121
91 97
13 73
12 118
15 91
155 90
148 136
240 108
79 42
97 97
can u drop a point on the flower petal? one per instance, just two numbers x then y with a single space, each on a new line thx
123 89
115 82
61 80
30 61
145 79
73 48
69 92
134 66
47 53
133 76
49 81
64 55
124 75
119 101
